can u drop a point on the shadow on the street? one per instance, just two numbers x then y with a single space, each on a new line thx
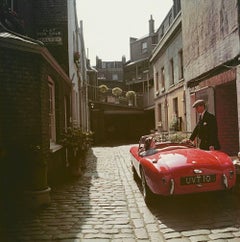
211 210
69 200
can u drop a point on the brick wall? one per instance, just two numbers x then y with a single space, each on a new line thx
20 117
227 118
213 28
50 21
24 119
20 97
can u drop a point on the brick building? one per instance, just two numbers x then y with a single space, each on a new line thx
41 84
112 118
110 73
211 59
197 56
27 69
138 72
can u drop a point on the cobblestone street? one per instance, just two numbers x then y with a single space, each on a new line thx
106 204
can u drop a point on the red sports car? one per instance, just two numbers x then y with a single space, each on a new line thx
167 168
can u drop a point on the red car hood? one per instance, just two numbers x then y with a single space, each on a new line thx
180 158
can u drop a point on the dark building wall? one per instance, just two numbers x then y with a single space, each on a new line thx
50 24
25 68
20 97
22 114
117 126
44 20
24 10
127 128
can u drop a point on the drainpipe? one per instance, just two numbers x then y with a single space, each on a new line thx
184 106
238 99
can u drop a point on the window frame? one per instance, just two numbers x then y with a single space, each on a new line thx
180 64
157 81
115 77
171 72
52 114
144 46
162 78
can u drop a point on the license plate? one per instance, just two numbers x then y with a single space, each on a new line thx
199 179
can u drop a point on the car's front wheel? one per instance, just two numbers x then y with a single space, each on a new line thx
147 194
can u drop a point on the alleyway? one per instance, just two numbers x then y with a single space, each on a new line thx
106 204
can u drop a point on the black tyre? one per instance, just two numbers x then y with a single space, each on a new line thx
135 175
147 194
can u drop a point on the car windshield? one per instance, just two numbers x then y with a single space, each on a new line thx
153 143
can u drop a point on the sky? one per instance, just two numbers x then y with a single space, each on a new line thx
109 24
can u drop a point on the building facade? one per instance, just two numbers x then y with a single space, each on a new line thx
43 79
138 73
113 111
167 62
211 59
197 56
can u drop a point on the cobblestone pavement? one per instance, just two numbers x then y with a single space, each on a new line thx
106 204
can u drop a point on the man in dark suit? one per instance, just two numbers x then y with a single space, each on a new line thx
206 129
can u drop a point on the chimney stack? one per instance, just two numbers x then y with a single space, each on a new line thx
151 26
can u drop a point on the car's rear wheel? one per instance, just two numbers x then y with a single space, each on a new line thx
147 194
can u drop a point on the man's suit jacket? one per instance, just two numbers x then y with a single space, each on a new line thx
206 130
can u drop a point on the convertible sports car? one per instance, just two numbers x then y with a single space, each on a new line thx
167 168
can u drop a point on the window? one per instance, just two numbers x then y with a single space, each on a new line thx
52 122
177 120
154 40
103 65
157 81
170 19
160 112
144 47
162 78
161 118
12 4
162 31
171 73
180 64
109 65
114 77
175 106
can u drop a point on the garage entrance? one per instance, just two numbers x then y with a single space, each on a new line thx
117 125
227 117
127 128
